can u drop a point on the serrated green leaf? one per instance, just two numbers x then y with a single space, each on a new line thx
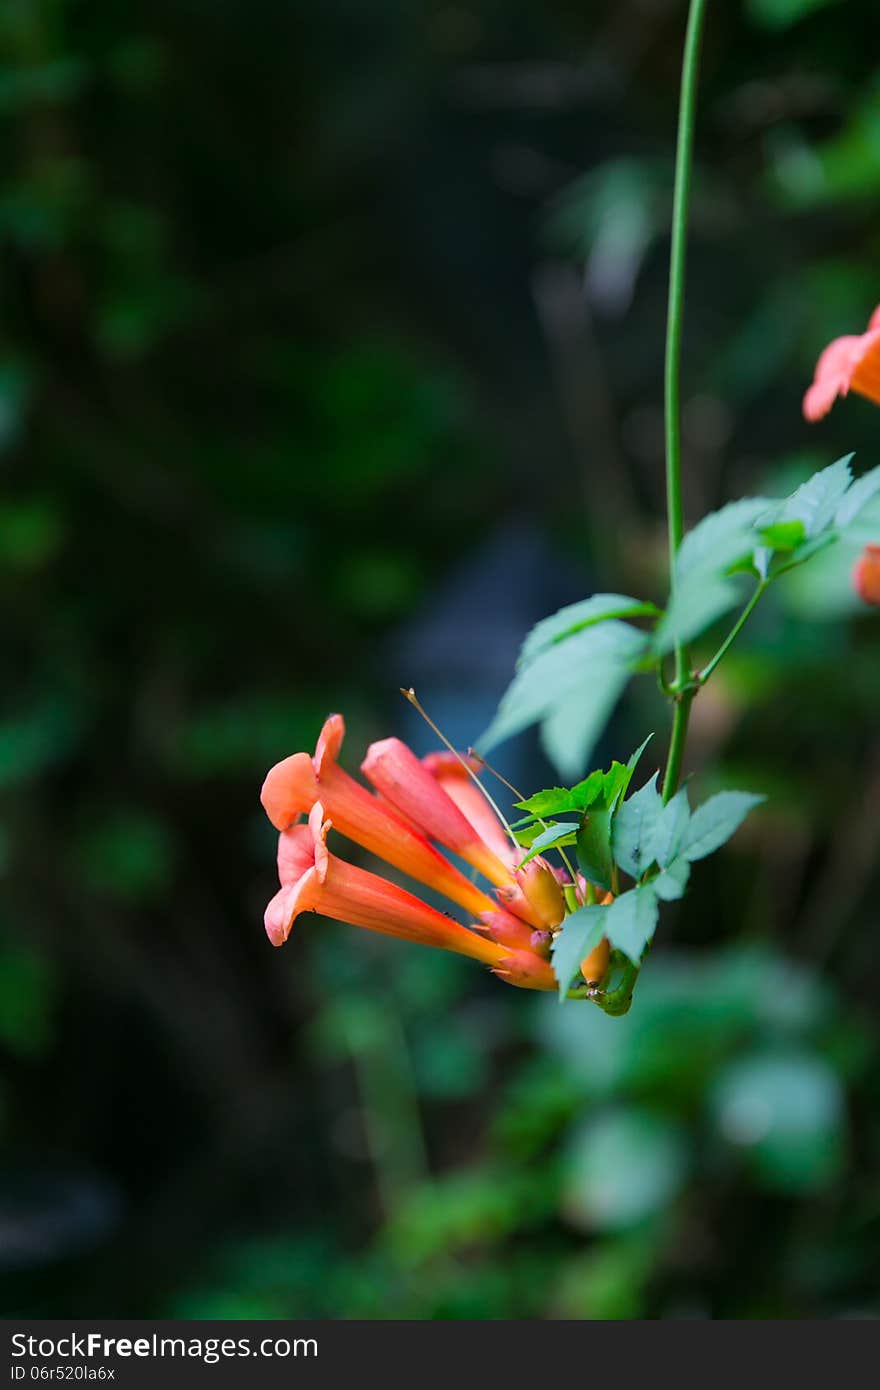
671 883
721 538
525 836
594 847
715 821
552 801
580 934
570 731
572 687
555 801
632 921
816 501
562 833
783 535
576 617
696 606
634 829
624 780
671 828
856 497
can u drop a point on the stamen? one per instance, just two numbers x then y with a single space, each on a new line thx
472 753
410 695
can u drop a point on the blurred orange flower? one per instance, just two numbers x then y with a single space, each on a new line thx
866 575
848 364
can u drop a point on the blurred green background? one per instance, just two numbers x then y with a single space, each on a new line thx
331 359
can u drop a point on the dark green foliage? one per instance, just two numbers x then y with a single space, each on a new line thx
304 309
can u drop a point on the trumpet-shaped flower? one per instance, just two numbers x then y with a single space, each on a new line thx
315 880
293 787
393 824
399 776
434 799
850 363
453 774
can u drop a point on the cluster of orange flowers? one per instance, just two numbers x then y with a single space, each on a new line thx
414 805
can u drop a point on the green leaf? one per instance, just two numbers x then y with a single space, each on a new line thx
580 934
594 847
573 686
696 605
721 538
715 821
576 617
570 732
562 833
857 497
671 883
671 828
632 921
783 535
556 801
816 501
634 829
626 777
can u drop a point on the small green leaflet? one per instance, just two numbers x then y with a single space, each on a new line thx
673 880
573 686
766 537
635 826
577 616
562 833
556 801
721 538
816 502
625 775
581 933
857 497
715 821
594 847
632 921
703 588
670 829
594 838
571 730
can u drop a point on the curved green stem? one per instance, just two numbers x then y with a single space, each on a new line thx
672 379
703 676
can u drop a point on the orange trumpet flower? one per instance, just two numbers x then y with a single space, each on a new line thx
399 777
293 787
452 774
314 880
850 363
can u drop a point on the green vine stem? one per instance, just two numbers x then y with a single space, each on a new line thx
672 382
732 635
